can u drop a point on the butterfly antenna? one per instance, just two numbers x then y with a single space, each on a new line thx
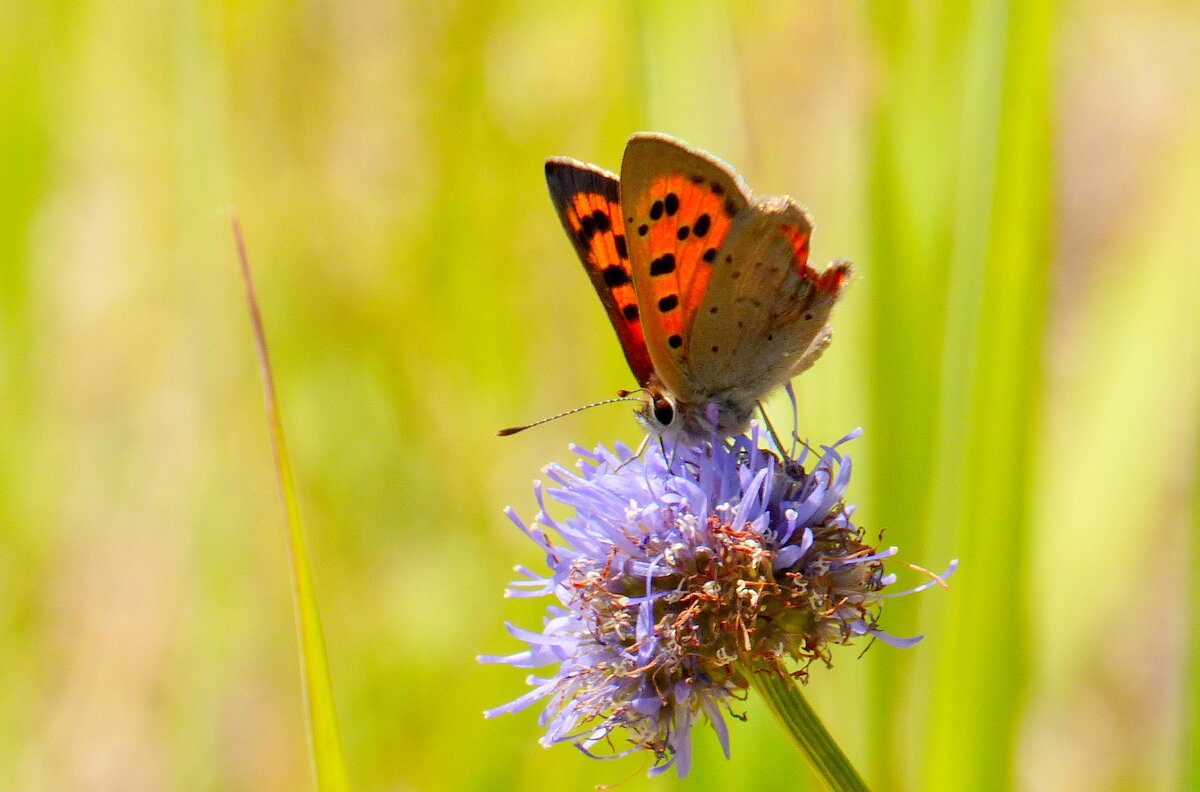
512 430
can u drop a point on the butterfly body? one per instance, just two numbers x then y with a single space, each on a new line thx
707 287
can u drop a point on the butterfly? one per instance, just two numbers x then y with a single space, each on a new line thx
707 286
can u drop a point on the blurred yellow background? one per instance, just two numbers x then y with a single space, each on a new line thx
1017 181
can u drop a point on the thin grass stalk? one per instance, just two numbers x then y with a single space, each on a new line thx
325 744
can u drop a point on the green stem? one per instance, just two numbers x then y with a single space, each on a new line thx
824 756
324 737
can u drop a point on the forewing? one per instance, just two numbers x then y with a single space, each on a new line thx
766 314
588 203
678 205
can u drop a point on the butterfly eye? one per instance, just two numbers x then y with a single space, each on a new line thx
664 411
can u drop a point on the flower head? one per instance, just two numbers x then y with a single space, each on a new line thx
679 570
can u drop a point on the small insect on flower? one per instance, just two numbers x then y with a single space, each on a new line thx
679 570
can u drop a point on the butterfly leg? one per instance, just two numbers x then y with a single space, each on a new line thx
641 449
662 446
791 394
762 409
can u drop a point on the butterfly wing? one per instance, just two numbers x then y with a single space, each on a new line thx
678 205
765 316
588 203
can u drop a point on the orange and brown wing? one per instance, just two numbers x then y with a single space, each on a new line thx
766 315
588 202
678 205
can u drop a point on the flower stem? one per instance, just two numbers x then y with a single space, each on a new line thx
824 756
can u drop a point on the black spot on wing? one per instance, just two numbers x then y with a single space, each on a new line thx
615 275
664 265
668 303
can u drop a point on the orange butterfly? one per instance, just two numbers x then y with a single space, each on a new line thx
708 287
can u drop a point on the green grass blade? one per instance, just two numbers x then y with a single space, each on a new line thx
963 180
1191 760
980 681
905 277
325 742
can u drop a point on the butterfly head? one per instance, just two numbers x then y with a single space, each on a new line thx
665 415
657 411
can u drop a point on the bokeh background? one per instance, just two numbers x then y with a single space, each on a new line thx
1017 180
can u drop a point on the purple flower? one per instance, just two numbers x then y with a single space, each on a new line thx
680 569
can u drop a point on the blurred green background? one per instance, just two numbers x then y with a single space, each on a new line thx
1018 182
